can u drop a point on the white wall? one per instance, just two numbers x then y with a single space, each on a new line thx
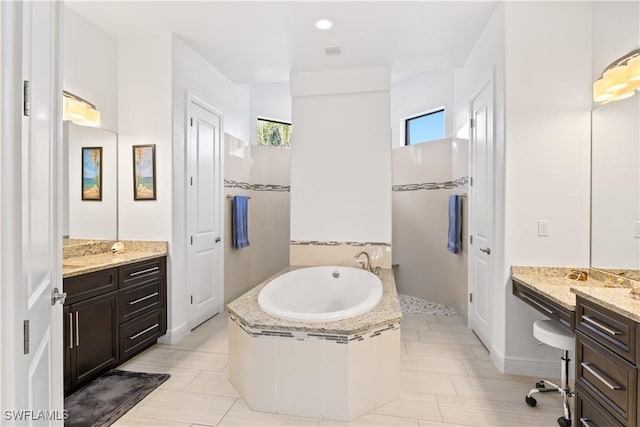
486 63
341 156
192 74
90 66
144 117
548 103
268 101
419 94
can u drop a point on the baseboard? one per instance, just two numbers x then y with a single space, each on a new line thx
539 368
176 334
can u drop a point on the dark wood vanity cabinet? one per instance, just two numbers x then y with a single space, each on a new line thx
110 316
606 367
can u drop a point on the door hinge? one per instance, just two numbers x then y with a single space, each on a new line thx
192 240
471 240
471 181
472 123
191 122
25 328
191 299
470 297
191 180
26 100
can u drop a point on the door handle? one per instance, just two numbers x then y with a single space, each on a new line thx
77 329
486 250
70 331
217 239
56 296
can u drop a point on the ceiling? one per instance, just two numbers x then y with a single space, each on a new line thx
253 42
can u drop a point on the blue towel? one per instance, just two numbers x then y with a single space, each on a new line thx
454 243
240 221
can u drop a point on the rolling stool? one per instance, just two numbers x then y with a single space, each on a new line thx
550 332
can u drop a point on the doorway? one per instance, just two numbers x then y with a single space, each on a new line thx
481 213
204 212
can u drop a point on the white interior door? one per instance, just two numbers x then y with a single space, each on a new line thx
481 213
204 181
35 364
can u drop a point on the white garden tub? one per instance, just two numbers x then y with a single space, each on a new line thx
321 294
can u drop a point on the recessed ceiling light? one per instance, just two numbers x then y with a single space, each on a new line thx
324 24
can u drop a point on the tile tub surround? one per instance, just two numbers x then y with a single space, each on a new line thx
551 282
336 370
89 260
314 253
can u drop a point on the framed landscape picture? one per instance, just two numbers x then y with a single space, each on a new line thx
92 173
144 172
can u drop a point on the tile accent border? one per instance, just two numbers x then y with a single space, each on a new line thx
314 336
445 185
310 253
335 243
229 183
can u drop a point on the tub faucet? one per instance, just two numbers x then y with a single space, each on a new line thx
366 263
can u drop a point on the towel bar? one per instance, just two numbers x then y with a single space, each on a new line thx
229 196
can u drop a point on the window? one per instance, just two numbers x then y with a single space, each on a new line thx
424 128
273 133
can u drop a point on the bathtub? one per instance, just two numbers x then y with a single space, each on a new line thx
331 366
321 294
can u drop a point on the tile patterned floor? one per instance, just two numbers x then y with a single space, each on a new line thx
447 380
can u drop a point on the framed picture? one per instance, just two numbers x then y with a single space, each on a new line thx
144 172
92 173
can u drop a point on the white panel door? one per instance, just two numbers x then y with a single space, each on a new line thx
204 181
481 214
38 363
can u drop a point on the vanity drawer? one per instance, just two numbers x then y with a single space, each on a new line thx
544 305
613 331
133 274
141 298
608 378
89 285
591 414
140 333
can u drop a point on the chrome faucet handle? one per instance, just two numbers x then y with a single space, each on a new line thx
362 263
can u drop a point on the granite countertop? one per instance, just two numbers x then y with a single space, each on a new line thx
602 287
246 309
551 282
98 256
615 299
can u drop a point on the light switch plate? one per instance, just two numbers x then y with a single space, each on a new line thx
543 228
636 229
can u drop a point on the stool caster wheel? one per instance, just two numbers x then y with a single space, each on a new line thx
540 384
531 401
563 422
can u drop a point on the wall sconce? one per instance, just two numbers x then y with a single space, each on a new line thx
79 110
619 80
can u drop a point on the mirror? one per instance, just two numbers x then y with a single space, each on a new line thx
90 183
615 186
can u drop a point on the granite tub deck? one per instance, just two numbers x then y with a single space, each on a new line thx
601 287
245 310
337 370
96 255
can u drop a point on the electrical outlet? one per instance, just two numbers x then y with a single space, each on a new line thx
636 229
543 228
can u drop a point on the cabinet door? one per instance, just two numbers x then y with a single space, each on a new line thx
95 334
69 354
